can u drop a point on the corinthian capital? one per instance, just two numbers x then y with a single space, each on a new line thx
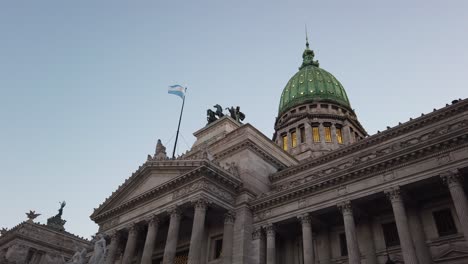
345 207
200 203
257 233
152 220
393 194
305 219
229 217
451 177
270 230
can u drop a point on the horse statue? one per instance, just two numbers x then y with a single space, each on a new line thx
219 110
236 114
210 116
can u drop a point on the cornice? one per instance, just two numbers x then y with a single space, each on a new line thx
304 186
207 169
413 124
13 232
142 169
249 144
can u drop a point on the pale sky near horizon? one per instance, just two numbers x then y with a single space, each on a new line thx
83 84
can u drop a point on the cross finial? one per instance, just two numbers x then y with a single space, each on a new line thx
307 38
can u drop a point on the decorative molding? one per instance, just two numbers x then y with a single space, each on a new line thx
393 194
451 177
207 169
375 139
305 219
201 204
443 159
302 187
270 230
229 217
345 207
257 233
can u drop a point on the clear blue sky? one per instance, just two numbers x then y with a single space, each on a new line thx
84 83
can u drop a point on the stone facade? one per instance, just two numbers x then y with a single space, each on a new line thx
240 198
33 243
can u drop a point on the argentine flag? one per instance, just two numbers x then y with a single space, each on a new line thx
177 90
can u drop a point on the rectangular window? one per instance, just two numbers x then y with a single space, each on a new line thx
343 246
316 134
294 139
302 130
218 247
328 137
390 234
444 222
339 135
285 142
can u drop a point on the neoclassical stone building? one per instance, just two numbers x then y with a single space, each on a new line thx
321 191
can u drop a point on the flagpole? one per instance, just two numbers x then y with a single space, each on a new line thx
178 127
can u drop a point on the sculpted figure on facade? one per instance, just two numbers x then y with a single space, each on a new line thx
99 250
160 153
79 257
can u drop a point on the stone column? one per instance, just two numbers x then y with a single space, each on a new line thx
153 224
172 236
271 248
354 256
257 246
453 180
228 235
131 244
368 242
307 244
197 231
323 247
407 248
418 235
114 244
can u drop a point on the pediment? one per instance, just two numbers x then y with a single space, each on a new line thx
451 253
144 180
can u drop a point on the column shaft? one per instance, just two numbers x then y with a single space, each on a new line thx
453 180
256 246
147 257
307 242
271 248
172 237
112 251
368 242
401 220
228 235
197 232
354 256
130 246
419 238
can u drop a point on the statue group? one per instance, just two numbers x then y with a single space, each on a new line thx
235 114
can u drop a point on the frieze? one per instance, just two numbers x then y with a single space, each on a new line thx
203 185
280 194
262 215
443 159
354 161
412 125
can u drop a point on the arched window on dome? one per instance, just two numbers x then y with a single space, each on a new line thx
328 134
293 138
339 134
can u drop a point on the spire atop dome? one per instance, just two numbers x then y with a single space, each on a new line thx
308 55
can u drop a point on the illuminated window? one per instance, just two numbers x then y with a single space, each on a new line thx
339 135
302 130
328 137
316 134
294 139
285 142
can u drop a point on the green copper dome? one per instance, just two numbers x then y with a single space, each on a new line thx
312 83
